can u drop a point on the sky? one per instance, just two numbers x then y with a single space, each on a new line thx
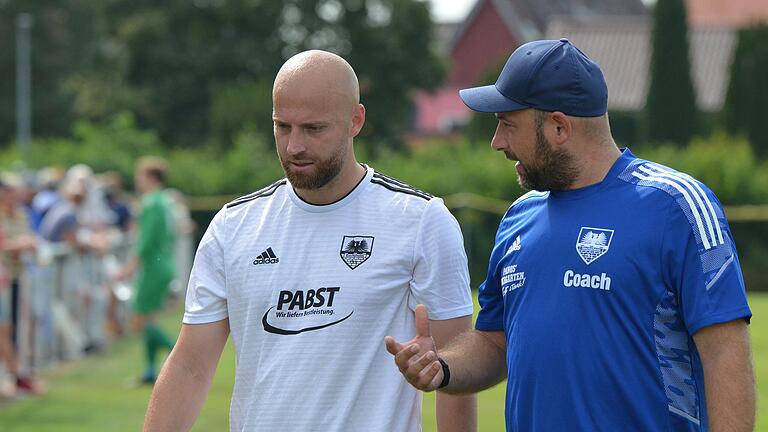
450 10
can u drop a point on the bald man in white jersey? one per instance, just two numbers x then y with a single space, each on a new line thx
310 273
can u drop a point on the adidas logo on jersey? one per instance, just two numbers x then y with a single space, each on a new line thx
267 257
516 245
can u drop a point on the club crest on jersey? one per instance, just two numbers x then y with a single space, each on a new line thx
356 250
593 243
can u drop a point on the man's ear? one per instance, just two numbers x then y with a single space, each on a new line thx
561 128
358 119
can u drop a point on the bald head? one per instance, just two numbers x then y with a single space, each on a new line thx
316 113
320 72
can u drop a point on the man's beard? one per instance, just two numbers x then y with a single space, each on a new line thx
554 169
325 171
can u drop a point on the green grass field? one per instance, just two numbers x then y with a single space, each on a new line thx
98 394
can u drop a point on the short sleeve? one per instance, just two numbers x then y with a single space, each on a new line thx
440 275
206 299
701 264
491 315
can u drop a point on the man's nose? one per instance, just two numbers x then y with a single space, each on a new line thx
296 144
497 143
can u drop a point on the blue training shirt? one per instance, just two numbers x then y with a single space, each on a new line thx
599 291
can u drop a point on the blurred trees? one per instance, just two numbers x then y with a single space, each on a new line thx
744 110
482 126
199 72
62 46
670 110
179 52
725 163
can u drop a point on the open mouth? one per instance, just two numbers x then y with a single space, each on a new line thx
519 168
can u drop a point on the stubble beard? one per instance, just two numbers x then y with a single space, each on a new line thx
554 170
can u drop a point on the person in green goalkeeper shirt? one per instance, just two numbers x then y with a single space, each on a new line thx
153 259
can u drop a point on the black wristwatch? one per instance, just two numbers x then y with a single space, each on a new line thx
446 373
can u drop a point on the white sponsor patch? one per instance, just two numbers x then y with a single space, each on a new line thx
511 279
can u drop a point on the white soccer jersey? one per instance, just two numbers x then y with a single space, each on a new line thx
310 291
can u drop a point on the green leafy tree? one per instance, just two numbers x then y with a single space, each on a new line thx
186 59
62 39
179 52
670 110
744 110
238 107
178 64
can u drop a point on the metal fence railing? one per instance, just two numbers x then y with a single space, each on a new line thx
67 303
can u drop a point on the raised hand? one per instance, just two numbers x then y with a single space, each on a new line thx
417 358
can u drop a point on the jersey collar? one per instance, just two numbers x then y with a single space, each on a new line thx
341 202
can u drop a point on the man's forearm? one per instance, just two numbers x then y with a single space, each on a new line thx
477 361
730 400
456 413
730 392
729 380
177 399
183 384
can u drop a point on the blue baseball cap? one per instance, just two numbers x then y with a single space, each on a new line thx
549 75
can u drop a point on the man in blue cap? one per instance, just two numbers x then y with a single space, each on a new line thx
614 299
